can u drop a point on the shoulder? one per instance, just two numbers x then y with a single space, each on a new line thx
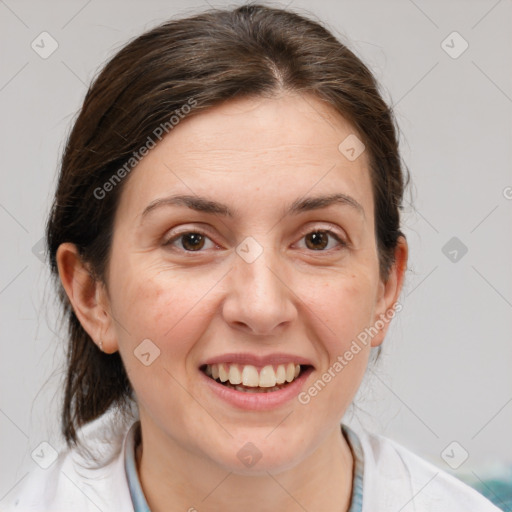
397 479
78 479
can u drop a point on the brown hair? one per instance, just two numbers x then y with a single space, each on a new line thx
208 58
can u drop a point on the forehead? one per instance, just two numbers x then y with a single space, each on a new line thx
253 148
293 125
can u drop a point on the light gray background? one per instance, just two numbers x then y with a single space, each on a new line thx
446 370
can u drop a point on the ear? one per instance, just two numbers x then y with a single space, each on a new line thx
88 296
389 292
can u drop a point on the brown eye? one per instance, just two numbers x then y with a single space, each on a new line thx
319 240
192 241
189 241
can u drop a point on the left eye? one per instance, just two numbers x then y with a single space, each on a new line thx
318 240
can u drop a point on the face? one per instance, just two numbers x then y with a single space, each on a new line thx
263 278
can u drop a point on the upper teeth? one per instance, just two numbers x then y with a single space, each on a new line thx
248 374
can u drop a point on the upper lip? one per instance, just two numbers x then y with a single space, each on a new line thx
257 360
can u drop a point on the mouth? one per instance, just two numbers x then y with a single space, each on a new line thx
253 379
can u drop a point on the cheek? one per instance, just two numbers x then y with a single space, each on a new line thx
164 305
340 311
344 305
172 312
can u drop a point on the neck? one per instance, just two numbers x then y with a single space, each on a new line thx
321 481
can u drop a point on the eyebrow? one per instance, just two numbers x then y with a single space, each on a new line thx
301 205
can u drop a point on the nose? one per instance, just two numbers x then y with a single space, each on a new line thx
259 299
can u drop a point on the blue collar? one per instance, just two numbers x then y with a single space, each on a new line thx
132 440
139 501
356 502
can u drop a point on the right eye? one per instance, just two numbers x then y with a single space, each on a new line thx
190 241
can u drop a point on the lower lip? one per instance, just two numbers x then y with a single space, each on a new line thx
258 401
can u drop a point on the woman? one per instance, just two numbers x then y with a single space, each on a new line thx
226 231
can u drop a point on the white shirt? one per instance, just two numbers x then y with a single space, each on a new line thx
389 477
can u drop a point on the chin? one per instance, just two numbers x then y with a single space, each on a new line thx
259 458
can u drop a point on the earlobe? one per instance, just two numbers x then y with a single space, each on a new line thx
389 292
87 296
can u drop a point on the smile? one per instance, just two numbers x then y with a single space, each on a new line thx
249 379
